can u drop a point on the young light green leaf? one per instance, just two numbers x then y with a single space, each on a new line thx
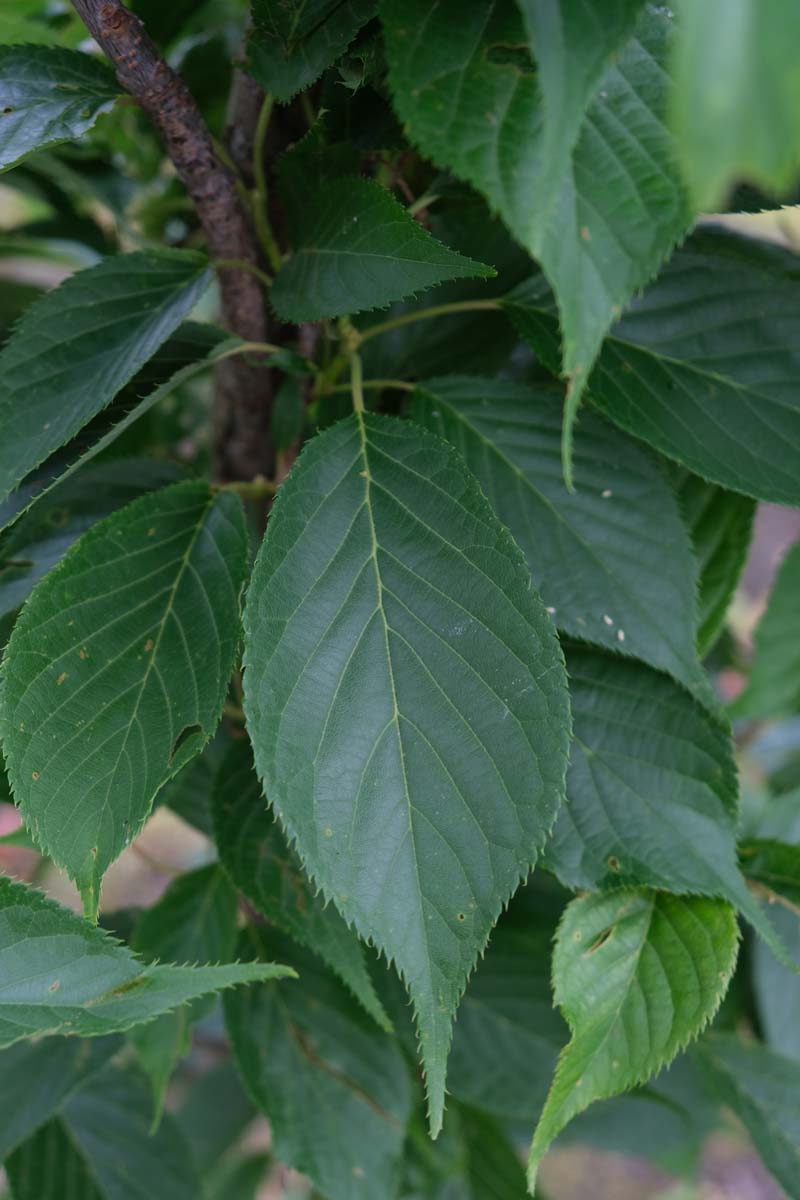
357 248
465 88
62 975
720 524
773 689
335 1088
406 700
49 95
81 343
705 365
117 671
255 853
736 103
294 41
100 1147
637 974
611 558
763 1089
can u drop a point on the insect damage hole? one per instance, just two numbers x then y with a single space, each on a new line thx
185 735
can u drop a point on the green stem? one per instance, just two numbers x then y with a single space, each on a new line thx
261 195
241 264
423 201
245 348
259 488
357 383
425 314
400 384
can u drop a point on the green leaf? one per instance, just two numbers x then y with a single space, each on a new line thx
465 88
611 558
651 790
215 1113
720 524
705 365
335 1088
288 413
100 1148
492 1167
255 853
777 989
117 671
62 975
38 1076
357 248
737 97
773 689
406 699
637 974
775 867
763 1089
49 95
81 343
294 41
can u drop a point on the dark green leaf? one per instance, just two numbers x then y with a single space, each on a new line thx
288 413
637 974
294 41
493 1167
49 95
215 1113
357 248
611 558
79 345
405 696
61 974
773 689
775 867
117 671
336 1089
260 862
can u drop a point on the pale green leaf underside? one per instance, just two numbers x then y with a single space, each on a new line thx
637 974
406 701
49 95
773 689
357 248
293 43
254 851
611 559
61 975
81 343
117 671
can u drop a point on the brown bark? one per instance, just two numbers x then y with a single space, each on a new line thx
243 398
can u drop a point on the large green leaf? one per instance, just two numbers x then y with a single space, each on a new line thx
611 558
736 104
260 862
469 98
637 974
763 1089
49 95
117 671
357 248
62 975
100 1148
652 793
406 700
81 343
773 689
294 41
336 1089
705 365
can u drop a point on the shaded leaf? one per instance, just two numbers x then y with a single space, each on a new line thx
405 697
637 974
773 689
293 42
214 1114
117 671
775 867
777 989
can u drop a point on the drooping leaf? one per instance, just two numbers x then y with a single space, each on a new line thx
705 365
737 97
763 1089
357 248
100 1148
336 1089
405 697
38 1076
611 558
117 671
466 90
254 851
777 989
773 689
62 975
637 974
49 95
720 524
293 42
81 343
